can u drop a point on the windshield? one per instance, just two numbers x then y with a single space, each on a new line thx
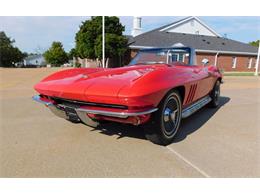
162 56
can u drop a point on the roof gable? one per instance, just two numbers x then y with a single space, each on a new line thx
189 25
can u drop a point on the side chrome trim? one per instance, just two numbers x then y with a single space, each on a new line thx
195 107
114 114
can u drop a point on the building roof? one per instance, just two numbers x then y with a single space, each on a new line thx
130 39
159 38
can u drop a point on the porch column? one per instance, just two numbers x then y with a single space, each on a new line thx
257 61
216 59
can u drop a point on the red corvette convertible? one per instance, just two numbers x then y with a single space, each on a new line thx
157 89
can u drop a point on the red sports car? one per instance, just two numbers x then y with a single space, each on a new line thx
157 89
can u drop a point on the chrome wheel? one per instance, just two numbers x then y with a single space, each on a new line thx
165 122
171 116
217 93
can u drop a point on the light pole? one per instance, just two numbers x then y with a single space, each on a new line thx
103 41
257 61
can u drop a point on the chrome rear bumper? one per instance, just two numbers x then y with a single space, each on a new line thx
82 112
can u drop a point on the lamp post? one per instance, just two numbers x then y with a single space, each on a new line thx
103 41
257 61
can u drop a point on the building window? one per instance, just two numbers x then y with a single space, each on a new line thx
197 32
175 57
250 62
234 62
181 58
192 23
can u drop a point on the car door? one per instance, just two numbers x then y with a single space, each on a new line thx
202 80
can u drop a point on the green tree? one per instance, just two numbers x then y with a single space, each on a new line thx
86 37
89 38
25 54
255 43
8 53
56 55
72 53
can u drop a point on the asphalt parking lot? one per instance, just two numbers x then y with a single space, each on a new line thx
221 142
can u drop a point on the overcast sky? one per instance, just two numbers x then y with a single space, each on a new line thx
37 33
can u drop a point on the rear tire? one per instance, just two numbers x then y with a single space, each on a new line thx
215 94
166 121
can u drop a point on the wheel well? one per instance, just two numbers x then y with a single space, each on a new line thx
181 90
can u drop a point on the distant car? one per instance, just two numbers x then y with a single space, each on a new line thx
67 65
157 89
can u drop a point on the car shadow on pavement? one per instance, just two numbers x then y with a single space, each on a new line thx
188 126
198 119
121 130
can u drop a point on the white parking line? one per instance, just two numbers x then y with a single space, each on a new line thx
188 162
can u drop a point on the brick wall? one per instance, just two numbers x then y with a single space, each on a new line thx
224 62
129 55
133 53
209 56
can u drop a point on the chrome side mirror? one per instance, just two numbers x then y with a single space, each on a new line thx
205 61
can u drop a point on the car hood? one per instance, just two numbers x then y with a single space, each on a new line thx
90 84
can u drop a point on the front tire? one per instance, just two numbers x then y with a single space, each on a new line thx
215 94
166 121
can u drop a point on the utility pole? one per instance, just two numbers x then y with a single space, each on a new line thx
257 61
103 41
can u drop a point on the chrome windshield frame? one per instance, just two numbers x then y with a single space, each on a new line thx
191 51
